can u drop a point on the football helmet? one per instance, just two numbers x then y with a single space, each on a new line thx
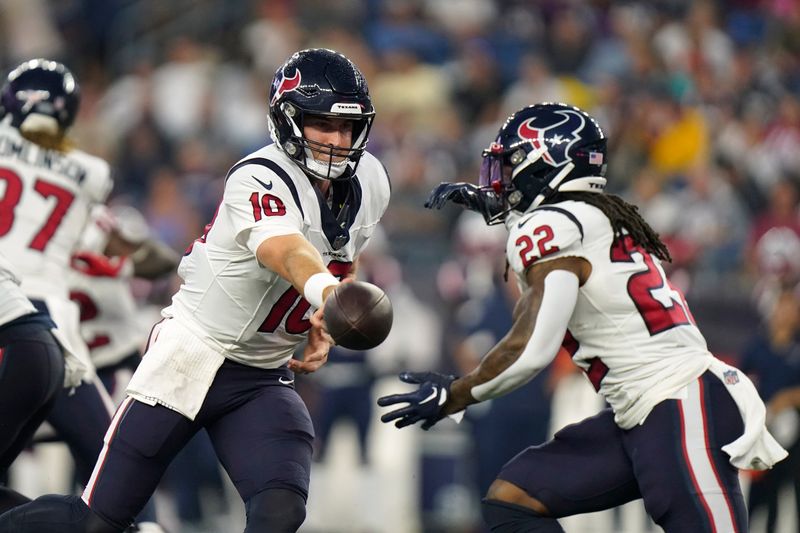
40 95
320 82
541 150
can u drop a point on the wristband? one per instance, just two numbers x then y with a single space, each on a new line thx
316 285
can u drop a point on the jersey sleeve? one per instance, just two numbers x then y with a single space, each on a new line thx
260 205
543 235
98 182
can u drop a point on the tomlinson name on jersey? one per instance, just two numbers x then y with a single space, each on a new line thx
35 155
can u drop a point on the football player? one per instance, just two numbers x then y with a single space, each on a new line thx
681 422
116 247
50 187
293 218
49 190
29 355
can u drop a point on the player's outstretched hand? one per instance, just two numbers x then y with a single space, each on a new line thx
472 197
316 351
425 404
465 194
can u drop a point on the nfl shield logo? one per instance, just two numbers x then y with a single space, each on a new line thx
731 377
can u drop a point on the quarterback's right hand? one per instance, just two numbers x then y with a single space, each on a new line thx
316 351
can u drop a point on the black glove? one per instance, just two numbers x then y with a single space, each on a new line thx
472 197
426 403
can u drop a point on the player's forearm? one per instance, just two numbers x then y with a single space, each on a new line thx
530 346
154 259
500 357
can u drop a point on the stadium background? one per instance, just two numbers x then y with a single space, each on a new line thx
699 99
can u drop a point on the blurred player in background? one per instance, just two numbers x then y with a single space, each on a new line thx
294 217
29 356
116 247
681 422
50 189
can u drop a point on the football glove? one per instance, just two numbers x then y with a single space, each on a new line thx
425 404
467 195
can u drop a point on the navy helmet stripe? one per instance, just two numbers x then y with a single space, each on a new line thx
565 213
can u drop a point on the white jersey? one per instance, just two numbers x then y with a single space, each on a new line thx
45 203
101 287
249 313
13 303
631 330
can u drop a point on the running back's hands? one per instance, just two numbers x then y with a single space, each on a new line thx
467 195
426 404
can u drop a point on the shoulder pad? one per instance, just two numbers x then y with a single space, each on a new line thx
546 233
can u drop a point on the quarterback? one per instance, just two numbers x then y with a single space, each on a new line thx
293 218
680 422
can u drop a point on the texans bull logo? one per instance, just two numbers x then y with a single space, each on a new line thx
546 139
286 85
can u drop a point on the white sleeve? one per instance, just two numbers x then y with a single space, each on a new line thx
260 205
558 302
99 182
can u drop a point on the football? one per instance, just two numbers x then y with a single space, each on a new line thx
358 315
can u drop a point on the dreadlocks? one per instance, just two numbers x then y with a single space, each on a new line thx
623 216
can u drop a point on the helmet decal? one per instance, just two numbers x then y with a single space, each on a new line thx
286 85
31 97
332 86
540 138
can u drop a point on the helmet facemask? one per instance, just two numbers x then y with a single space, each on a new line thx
494 182
331 162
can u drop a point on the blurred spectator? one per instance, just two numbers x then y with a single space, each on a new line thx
29 31
772 359
181 88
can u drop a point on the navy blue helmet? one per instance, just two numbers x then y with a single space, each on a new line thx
41 88
323 83
541 150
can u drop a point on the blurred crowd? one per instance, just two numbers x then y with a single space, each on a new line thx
700 101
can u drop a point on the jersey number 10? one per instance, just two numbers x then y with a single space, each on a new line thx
294 307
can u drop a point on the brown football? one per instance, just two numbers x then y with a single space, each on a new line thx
358 315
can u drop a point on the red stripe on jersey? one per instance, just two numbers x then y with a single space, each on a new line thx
570 344
154 331
597 371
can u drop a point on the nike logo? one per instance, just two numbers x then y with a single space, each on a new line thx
284 381
431 396
522 223
267 186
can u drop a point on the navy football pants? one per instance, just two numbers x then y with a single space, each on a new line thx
31 375
260 429
673 461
